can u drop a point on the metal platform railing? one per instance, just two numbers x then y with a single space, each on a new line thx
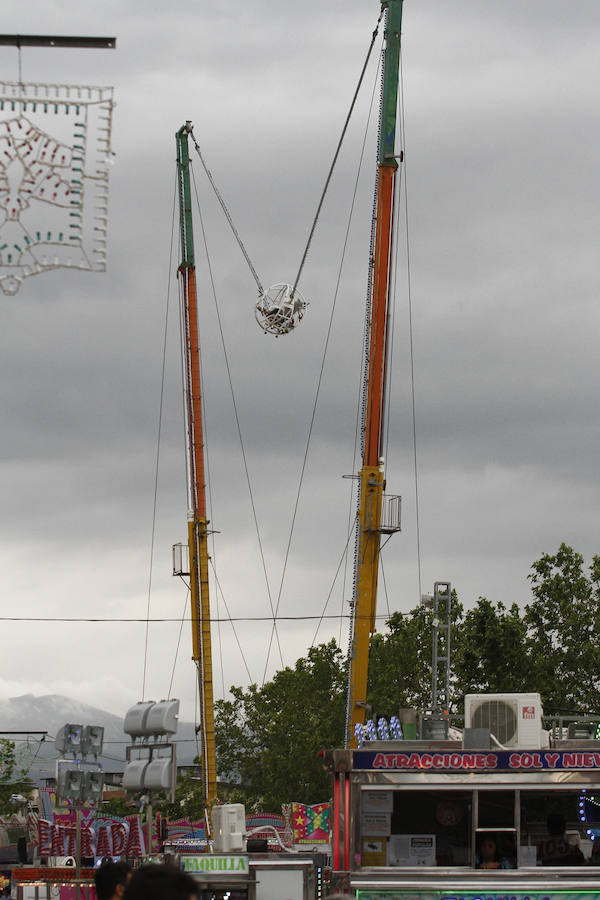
391 505
181 559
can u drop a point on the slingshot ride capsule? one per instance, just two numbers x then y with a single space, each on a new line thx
278 311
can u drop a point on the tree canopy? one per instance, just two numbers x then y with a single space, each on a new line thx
13 780
563 626
268 737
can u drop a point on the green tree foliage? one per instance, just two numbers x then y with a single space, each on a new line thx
268 737
563 622
400 661
8 759
12 779
189 800
490 651
551 647
120 806
400 664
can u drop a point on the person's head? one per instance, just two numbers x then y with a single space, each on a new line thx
155 882
488 849
111 879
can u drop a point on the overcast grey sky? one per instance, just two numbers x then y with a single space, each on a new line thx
502 137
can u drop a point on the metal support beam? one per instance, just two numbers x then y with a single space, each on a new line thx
56 40
442 627
366 563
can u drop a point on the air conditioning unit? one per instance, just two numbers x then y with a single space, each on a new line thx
515 720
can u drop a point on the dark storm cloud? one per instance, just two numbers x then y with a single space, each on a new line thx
501 162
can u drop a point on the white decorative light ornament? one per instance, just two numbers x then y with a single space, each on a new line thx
55 148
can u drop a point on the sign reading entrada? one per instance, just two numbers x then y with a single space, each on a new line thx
463 759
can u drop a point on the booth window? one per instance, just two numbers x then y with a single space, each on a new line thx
557 828
496 833
416 828
487 829
496 809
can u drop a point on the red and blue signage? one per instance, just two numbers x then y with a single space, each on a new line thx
469 760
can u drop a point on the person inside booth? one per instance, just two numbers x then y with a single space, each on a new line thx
560 848
489 857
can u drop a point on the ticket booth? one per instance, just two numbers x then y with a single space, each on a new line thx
416 820
256 876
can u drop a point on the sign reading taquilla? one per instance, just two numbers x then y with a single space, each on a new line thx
215 865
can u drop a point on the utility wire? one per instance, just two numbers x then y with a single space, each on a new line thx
178 644
320 378
206 441
300 483
213 556
337 571
229 619
351 501
410 331
396 656
158 438
25 774
237 418
232 620
337 287
164 619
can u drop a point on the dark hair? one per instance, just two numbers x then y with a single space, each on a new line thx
108 876
156 882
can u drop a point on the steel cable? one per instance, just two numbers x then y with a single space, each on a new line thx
227 213
237 418
336 154
158 439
